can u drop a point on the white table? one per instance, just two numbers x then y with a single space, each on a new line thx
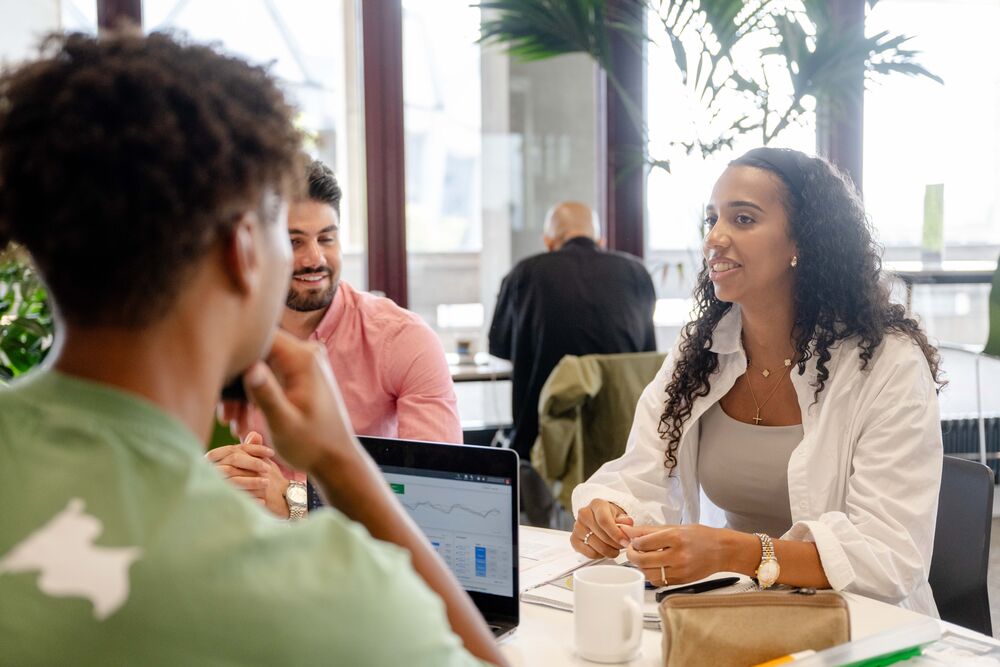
484 369
545 635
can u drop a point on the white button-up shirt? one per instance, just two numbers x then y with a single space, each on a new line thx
862 485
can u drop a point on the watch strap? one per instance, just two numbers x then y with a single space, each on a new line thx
766 556
296 510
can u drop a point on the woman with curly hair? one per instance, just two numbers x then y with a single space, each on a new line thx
799 401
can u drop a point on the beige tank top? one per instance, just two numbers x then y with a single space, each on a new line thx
743 470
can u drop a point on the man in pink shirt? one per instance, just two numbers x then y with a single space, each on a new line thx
390 366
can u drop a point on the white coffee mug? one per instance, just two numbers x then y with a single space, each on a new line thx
607 612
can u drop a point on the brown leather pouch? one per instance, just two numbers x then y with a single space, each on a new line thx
744 629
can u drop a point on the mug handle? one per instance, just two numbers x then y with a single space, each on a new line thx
634 619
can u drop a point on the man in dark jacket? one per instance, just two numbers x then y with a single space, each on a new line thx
577 298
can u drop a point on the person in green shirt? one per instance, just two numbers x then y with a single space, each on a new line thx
147 177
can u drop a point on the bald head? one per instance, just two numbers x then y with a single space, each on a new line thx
568 220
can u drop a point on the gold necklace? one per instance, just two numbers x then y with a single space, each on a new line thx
766 372
756 418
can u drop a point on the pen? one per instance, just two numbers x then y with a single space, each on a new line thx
699 587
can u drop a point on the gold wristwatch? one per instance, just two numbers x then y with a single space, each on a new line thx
768 570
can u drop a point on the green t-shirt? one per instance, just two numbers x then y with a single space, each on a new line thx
120 544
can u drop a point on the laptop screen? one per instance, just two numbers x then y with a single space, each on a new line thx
467 517
465 500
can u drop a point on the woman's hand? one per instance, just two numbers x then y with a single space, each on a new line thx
686 553
597 532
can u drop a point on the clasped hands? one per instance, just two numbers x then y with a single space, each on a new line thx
250 466
684 552
295 390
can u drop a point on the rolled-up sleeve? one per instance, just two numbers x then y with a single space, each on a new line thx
881 544
426 407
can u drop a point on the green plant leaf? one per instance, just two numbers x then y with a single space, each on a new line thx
703 34
26 324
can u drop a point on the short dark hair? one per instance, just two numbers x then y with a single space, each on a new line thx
323 186
124 157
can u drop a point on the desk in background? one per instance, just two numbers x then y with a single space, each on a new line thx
946 273
483 368
545 636
483 390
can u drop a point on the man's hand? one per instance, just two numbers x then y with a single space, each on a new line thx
247 465
598 530
298 395
235 415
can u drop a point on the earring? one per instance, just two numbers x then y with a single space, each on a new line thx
795 261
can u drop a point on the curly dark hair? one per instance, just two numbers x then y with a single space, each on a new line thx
838 291
323 186
124 157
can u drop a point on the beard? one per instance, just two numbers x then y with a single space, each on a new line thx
310 300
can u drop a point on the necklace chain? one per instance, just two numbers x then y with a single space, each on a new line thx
756 419
766 372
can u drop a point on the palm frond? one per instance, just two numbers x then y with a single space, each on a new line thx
819 61
537 29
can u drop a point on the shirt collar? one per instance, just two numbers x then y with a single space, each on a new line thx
726 337
727 340
334 313
579 242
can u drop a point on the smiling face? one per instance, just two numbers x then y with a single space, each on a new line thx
748 245
314 229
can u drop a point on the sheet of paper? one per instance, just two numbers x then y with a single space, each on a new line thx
534 573
544 556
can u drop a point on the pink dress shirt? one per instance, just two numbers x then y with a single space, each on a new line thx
391 370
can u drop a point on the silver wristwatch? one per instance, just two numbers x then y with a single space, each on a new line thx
297 499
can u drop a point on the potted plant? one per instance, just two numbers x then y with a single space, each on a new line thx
818 62
26 324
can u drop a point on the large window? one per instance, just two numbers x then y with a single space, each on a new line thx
470 111
676 200
491 144
311 47
24 24
921 136
442 93
77 15
919 133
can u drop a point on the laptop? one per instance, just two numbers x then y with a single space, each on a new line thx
465 500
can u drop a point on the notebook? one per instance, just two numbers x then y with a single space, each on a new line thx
465 500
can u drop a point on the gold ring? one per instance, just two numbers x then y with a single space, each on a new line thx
587 537
663 575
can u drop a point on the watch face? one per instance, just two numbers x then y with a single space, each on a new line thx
767 573
296 494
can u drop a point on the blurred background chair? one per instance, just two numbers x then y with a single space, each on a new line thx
993 340
962 544
585 413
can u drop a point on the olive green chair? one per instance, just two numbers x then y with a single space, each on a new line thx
993 340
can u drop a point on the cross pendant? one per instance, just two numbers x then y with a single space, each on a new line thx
757 420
